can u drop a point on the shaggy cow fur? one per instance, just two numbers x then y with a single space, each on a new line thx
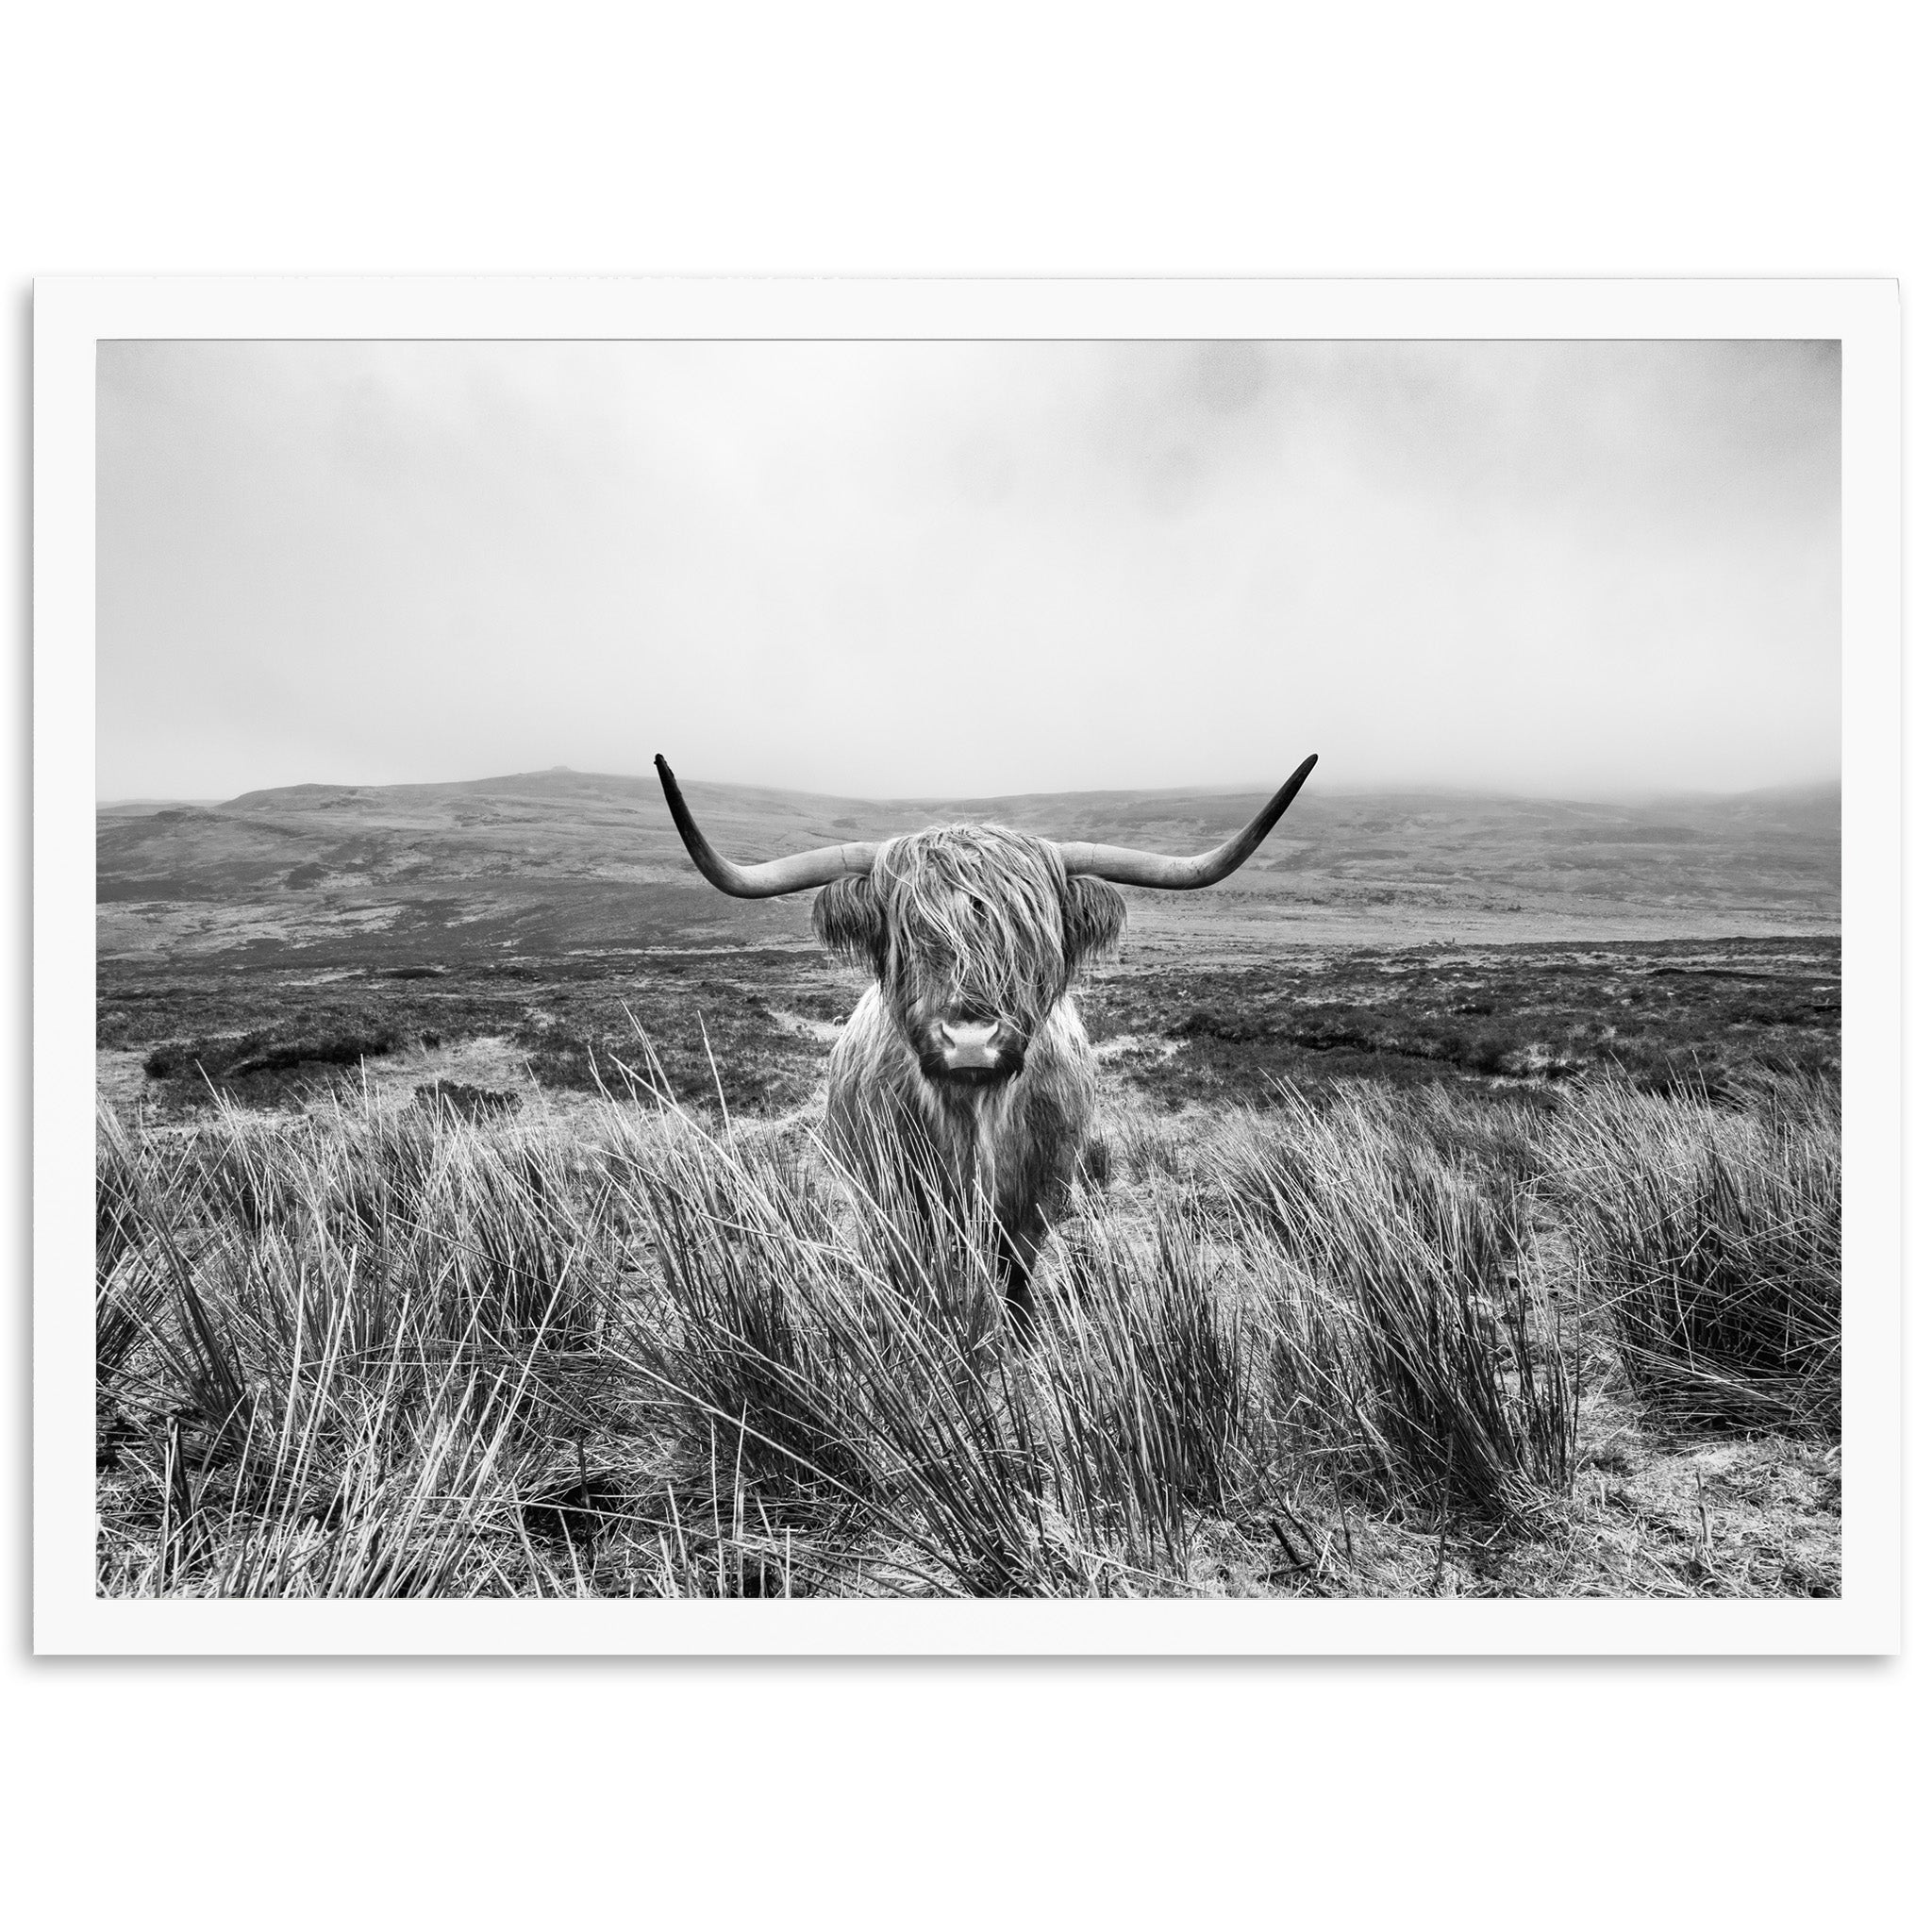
976 926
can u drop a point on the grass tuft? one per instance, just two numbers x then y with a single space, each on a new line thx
1712 1236
1409 1331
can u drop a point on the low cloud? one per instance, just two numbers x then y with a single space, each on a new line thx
970 568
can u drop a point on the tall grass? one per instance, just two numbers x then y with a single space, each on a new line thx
1711 1236
844 1348
341 1343
1406 1327
376 1351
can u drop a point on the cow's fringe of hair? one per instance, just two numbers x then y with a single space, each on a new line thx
980 907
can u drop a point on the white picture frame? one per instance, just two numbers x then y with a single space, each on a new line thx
74 315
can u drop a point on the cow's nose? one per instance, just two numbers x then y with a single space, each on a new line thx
970 1044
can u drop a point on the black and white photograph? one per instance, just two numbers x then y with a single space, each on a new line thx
1189 970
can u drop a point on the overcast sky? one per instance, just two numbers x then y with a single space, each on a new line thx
894 569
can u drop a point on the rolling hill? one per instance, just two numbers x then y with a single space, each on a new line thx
562 861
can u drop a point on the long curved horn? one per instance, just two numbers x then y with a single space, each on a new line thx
1126 867
797 873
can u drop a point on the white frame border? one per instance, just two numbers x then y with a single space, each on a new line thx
72 315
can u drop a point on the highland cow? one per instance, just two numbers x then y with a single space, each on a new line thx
966 1058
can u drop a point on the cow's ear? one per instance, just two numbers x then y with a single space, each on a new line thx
850 920
1093 914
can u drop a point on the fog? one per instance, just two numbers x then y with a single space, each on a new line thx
904 569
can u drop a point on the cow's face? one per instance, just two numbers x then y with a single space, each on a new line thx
973 933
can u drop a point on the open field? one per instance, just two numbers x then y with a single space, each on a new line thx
754 1022
463 1226
516 932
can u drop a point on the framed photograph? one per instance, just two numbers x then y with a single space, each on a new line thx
966 967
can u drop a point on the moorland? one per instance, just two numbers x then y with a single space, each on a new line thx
1463 1215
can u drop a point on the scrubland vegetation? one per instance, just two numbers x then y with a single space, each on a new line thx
1340 1338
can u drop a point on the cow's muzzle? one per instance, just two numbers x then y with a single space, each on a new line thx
972 1053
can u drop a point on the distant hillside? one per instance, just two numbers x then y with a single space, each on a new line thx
563 859
145 807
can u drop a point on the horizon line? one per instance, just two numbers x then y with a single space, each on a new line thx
1234 788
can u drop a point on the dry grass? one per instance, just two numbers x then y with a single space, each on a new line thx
1382 1345
1711 1238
